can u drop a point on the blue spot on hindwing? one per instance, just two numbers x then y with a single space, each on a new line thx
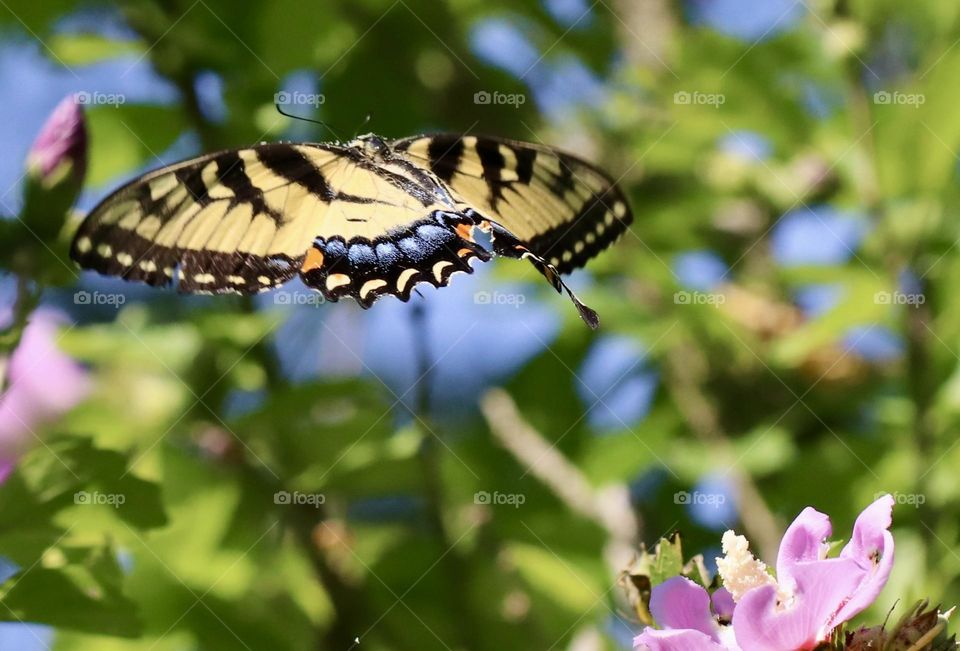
388 256
362 257
333 248
412 248
435 235
334 252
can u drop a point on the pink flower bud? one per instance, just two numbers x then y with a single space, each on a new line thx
62 140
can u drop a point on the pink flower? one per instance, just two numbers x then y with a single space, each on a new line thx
42 384
812 595
61 141
683 608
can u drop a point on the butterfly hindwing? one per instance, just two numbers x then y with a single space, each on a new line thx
561 207
430 249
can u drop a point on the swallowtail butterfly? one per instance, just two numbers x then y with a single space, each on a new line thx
361 219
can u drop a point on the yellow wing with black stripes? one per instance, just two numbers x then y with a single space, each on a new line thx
361 219
243 221
233 221
564 209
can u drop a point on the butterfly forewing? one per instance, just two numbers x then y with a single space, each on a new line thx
562 208
234 221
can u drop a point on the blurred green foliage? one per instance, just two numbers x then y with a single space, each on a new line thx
200 555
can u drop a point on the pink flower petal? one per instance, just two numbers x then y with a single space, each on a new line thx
821 587
679 603
674 640
802 542
723 604
871 547
43 384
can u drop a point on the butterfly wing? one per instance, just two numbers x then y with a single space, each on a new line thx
391 228
243 221
352 223
235 221
562 208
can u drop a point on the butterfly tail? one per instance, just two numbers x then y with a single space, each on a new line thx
508 245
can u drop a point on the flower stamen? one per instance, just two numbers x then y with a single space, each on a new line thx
740 570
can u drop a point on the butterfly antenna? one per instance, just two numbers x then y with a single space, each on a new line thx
305 119
365 122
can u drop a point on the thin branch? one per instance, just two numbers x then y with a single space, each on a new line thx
610 507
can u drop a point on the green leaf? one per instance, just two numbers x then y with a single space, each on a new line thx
125 137
561 578
311 433
81 593
70 474
84 49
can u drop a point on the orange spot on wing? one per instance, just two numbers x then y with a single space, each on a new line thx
313 260
465 231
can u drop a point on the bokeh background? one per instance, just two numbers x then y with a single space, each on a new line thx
780 326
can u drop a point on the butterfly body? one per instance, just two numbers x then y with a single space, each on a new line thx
360 219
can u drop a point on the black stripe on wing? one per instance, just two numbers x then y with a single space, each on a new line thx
533 172
599 223
127 255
